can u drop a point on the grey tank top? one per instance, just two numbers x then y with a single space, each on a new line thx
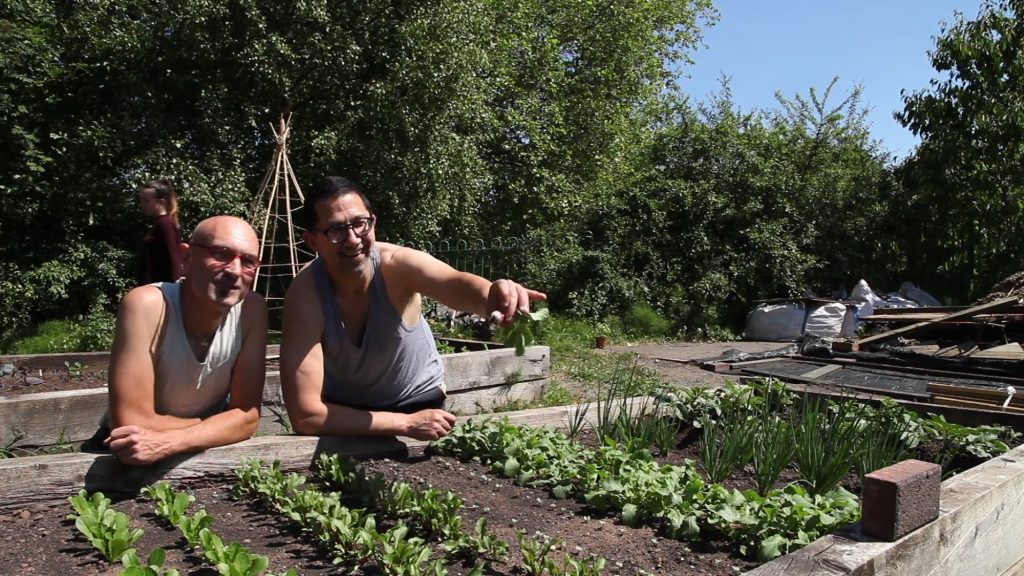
395 362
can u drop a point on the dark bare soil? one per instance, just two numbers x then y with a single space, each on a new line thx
40 541
35 381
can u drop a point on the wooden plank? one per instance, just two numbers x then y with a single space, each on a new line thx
467 370
89 360
489 368
978 374
977 532
51 418
999 394
968 313
978 404
478 400
821 371
719 367
465 402
1011 351
24 481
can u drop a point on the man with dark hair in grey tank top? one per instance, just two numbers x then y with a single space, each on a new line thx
357 356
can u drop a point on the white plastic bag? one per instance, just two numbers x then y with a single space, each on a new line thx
775 322
909 291
828 320
863 293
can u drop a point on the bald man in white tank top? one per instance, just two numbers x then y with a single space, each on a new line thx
188 363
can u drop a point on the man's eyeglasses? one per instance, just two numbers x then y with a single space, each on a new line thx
360 227
225 256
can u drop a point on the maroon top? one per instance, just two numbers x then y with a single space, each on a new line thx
161 261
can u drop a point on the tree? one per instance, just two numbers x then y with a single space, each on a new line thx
476 116
965 179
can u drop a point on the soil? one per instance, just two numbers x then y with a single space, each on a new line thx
40 540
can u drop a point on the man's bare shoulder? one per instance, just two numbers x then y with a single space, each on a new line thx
254 303
143 300
395 255
302 284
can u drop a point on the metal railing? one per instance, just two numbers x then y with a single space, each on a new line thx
493 259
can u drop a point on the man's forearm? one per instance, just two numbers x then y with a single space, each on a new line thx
339 420
158 422
229 427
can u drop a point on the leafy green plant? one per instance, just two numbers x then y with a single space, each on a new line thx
980 441
153 566
479 544
192 526
106 528
233 559
889 433
519 333
74 368
628 480
169 504
536 553
399 555
643 321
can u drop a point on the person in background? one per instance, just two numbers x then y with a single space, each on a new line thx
357 356
160 259
187 366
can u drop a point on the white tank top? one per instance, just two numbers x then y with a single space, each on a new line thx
186 387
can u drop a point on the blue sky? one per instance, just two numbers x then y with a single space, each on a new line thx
792 45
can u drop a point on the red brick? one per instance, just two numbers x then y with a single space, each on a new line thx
899 499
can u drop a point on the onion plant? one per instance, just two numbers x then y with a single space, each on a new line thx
827 441
889 433
726 442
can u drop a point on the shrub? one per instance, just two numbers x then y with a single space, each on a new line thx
91 333
641 320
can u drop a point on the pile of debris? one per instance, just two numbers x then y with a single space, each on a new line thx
1011 286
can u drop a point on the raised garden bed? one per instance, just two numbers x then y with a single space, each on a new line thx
476 381
981 502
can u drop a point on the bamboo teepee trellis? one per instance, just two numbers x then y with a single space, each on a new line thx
279 197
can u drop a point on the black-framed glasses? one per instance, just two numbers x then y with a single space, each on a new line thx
225 256
360 227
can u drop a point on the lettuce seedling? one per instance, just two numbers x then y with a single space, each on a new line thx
106 528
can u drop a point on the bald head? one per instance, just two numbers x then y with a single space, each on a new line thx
225 228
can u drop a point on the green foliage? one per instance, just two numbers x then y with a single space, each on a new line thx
827 440
890 433
642 321
520 332
970 120
169 504
91 333
772 446
441 109
629 481
980 441
106 528
153 566
726 442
